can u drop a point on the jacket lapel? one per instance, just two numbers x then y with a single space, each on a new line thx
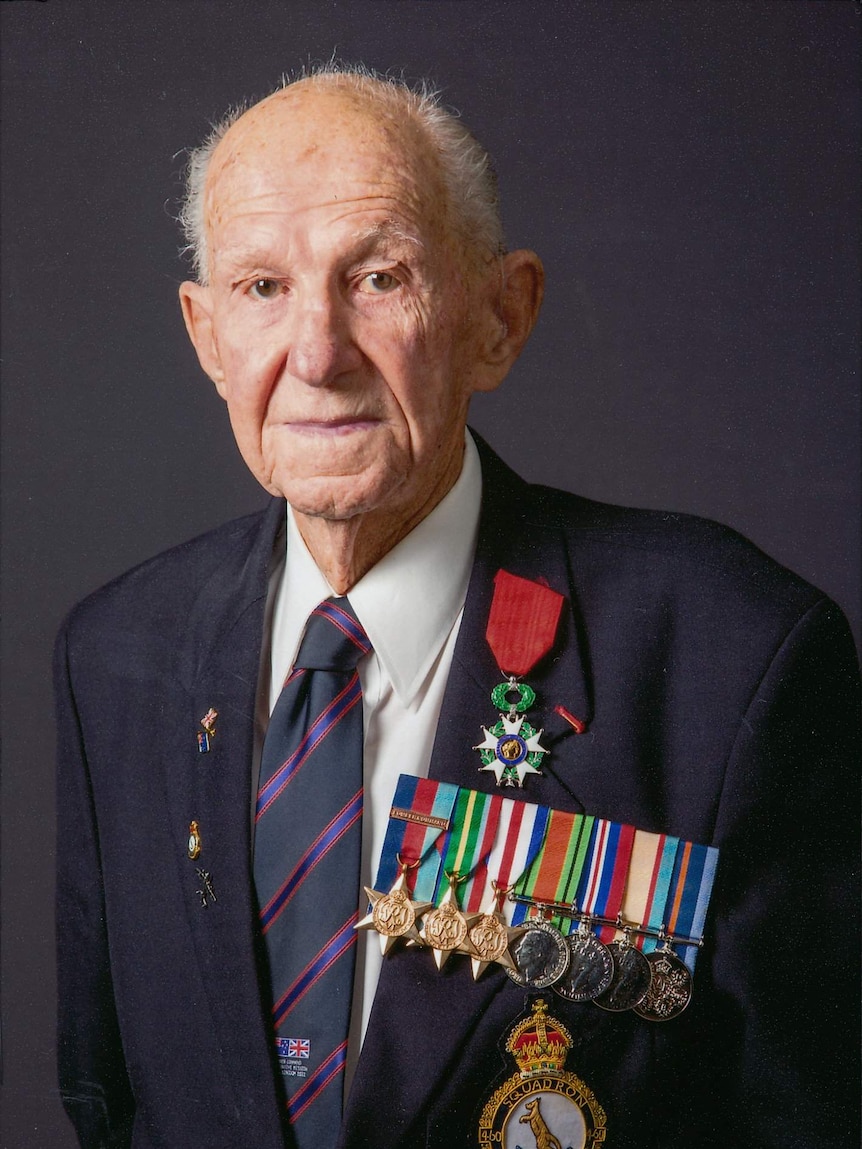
413 998
218 667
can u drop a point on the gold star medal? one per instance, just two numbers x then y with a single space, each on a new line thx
445 928
394 914
490 937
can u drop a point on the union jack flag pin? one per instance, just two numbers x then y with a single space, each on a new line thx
206 735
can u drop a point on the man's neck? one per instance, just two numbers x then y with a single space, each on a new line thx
346 549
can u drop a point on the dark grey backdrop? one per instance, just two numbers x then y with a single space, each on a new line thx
687 171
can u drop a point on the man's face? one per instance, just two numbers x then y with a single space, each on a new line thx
342 320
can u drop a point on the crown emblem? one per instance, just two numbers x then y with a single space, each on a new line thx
539 1043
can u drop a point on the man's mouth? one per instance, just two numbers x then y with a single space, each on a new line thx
332 427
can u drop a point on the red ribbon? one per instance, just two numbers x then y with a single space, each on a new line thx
523 622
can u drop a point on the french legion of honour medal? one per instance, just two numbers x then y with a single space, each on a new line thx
670 988
394 915
521 631
557 1108
512 748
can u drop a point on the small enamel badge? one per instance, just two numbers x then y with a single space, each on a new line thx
206 735
556 1106
194 840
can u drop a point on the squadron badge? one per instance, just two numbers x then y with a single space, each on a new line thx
542 1104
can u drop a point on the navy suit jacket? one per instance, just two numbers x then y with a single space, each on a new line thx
721 700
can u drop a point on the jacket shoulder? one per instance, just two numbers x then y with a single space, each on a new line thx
161 591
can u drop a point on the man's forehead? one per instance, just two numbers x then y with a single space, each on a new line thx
309 126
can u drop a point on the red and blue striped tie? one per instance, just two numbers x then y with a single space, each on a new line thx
308 830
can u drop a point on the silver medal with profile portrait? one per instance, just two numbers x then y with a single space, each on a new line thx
541 956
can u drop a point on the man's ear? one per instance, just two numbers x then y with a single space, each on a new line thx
197 304
516 303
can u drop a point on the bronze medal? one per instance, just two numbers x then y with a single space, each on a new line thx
630 981
541 956
394 915
542 1099
670 989
591 968
445 928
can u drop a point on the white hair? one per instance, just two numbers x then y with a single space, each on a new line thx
468 175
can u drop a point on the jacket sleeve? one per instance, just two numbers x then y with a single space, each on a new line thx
786 939
94 1086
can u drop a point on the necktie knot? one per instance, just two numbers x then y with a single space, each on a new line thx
333 639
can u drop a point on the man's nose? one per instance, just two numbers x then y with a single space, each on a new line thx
321 345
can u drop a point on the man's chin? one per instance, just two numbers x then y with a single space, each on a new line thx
337 498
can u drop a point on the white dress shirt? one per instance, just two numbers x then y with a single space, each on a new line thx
410 605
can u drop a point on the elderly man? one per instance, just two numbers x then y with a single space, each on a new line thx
235 715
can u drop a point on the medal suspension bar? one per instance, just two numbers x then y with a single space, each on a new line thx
570 910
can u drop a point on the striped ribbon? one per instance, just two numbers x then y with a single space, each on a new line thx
605 868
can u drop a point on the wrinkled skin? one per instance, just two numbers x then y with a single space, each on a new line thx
346 322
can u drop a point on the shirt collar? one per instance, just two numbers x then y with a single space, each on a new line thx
408 602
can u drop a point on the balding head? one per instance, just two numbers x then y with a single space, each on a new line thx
436 139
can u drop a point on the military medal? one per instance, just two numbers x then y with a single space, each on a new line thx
559 1110
670 987
522 627
631 977
591 966
541 956
445 928
394 915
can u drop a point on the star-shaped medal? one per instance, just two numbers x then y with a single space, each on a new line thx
511 749
394 915
445 928
490 939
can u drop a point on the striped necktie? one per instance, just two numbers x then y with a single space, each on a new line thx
308 828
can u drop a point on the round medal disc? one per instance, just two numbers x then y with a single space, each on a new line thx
393 914
445 928
631 979
541 956
591 968
489 938
670 989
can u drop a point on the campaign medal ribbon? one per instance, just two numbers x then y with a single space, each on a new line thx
465 849
490 936
604 891
420 815
522 627
688 893
542 956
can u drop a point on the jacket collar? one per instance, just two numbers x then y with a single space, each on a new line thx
518 533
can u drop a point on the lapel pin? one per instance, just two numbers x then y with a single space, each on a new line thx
205 736
195 842
206 891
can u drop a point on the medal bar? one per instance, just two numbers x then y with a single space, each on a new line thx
570 910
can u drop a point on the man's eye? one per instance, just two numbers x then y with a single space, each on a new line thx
265 288
378 282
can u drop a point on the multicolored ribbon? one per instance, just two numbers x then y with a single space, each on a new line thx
654 881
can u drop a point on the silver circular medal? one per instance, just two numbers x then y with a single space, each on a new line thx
541 956
630 981
670 989
591 968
